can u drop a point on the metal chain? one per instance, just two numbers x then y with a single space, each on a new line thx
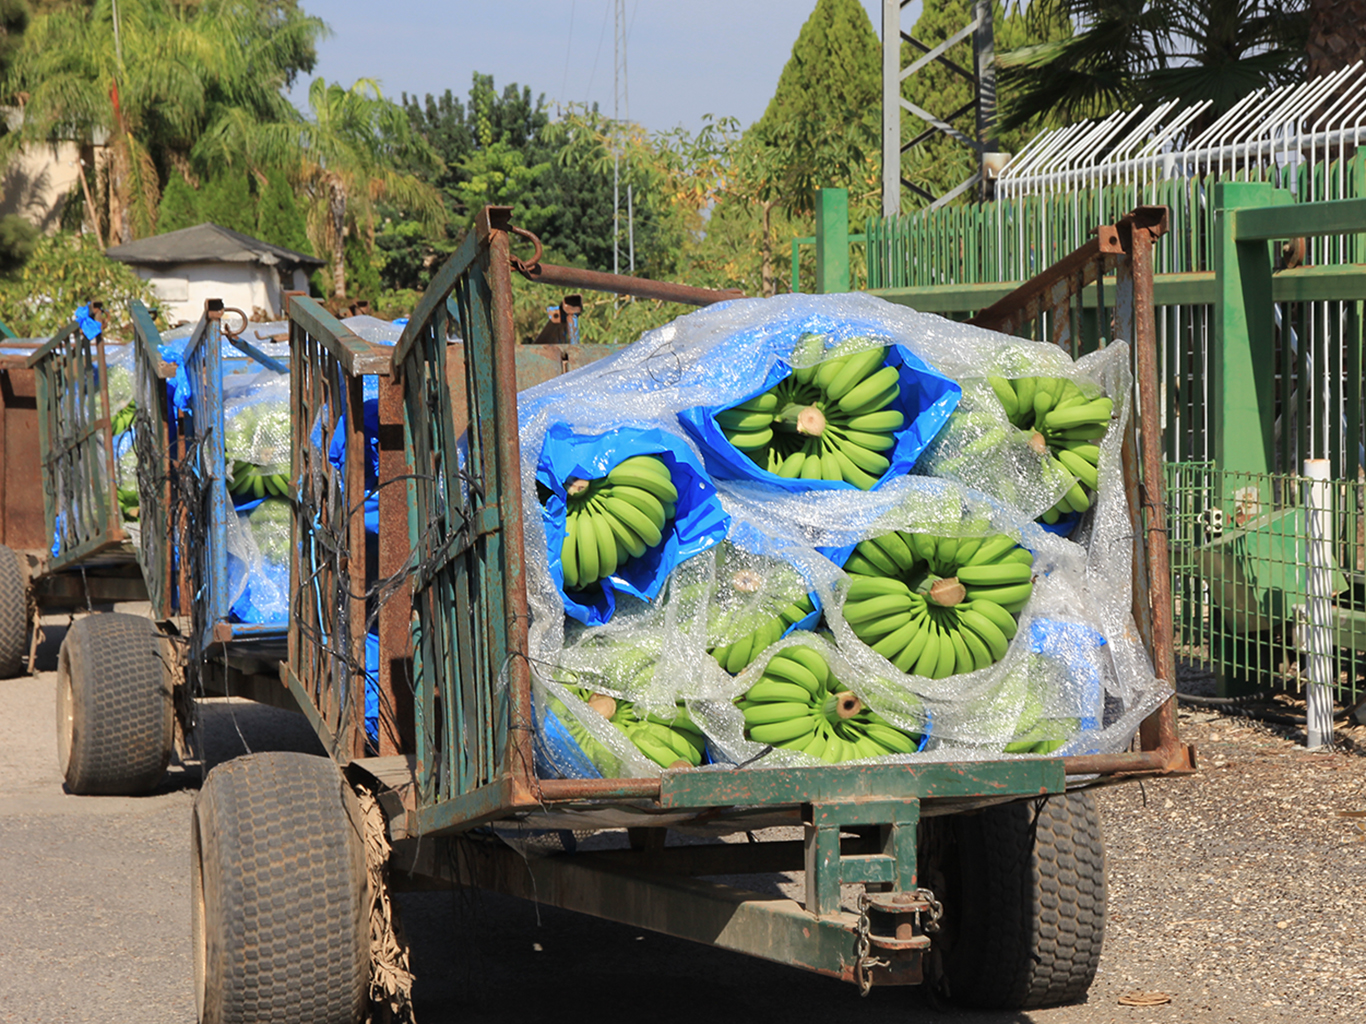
864 963
936 909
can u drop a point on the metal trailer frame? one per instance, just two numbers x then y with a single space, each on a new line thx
96 560
457 720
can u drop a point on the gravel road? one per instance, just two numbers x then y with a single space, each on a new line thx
1236 893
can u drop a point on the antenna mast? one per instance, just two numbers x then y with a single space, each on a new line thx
621 104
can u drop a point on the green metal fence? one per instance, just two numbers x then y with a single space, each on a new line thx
1241 583
957 260
1259 320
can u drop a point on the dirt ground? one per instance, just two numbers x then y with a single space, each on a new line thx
1236 893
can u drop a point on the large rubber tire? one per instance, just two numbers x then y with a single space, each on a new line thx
115 725
279 894
13 614
1024 903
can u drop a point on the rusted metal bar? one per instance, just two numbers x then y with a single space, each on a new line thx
395 611
356 354
1160 730
1047 288
518 759
54 342
620 284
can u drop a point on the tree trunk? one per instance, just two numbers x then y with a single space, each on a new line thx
1337 35
336 208
120 230
768 283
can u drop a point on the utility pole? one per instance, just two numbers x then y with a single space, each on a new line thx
621 104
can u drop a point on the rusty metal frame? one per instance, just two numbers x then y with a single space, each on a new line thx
456 639
471 746
80 500
1126 248
152 440
329 561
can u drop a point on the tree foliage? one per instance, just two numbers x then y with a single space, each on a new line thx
1128 52
63 272
179 207
504 147
278 217
355 150
822 126
179 72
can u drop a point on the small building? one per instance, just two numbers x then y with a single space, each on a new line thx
206 261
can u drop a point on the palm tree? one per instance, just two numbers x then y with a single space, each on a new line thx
1127 52
155 85
346 157
1337 35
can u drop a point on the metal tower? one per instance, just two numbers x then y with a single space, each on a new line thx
983 79
621 104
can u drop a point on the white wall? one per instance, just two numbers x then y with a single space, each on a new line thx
36 182
245 286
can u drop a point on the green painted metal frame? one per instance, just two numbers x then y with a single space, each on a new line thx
331 567
469 760
158 494
1230 311
80 502
5 331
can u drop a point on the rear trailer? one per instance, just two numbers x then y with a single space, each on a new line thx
983 877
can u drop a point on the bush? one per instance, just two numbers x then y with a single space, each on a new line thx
65 271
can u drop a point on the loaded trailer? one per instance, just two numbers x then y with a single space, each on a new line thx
984 878
98 512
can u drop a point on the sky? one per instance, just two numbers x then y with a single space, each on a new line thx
685 58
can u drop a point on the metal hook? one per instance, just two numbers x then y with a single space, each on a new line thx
521 266
224 327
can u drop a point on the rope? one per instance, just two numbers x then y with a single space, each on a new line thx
391 976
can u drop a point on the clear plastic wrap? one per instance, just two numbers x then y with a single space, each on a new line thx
1075 679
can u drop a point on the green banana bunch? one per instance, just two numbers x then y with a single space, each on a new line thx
676 742
799 704
1043 737
736 656
611 520
829 421
123 419
975 434
249 483
603 759
937 606
1067 427
129 502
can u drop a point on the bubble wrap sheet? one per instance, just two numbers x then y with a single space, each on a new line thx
1076 661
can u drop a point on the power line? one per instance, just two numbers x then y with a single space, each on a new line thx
588 95
568 49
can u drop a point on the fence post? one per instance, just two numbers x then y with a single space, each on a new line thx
1318 692
1242 371
832 240
1242 385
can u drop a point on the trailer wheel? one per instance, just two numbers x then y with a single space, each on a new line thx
13 614
1024 902
114 709
279 910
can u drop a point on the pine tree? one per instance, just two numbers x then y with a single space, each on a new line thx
278 217
821 127
226 201
179 206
